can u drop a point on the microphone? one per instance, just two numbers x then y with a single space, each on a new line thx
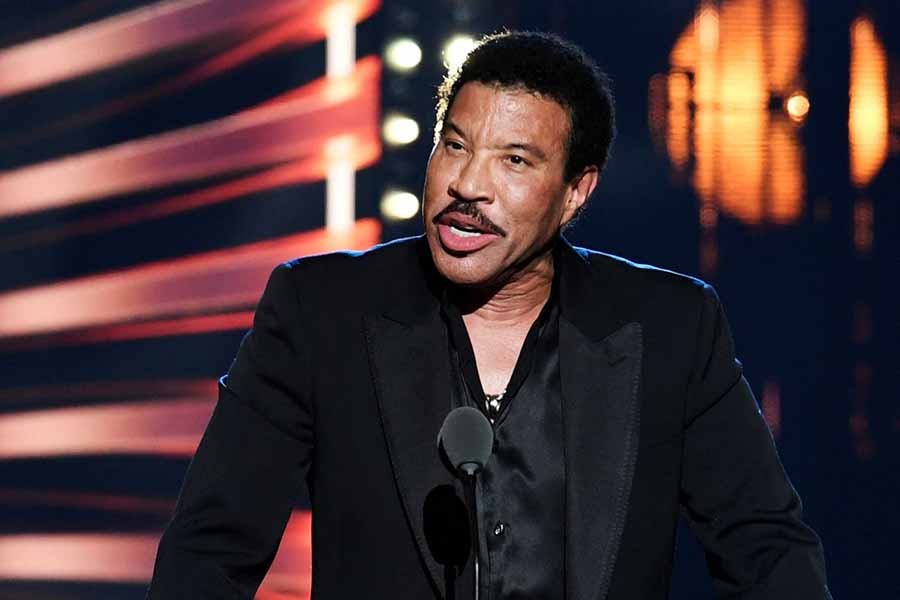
468 440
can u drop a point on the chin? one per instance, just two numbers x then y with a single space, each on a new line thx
474 270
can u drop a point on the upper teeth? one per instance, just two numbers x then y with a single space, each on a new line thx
463 233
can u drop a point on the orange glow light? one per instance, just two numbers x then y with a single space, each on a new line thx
797 106
868 124
742 160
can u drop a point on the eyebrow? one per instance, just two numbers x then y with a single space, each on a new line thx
530 148
448 124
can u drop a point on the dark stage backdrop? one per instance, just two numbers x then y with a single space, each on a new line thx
158 159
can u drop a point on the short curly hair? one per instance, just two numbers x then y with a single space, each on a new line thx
553 68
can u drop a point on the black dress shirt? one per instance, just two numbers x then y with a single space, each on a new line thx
520 495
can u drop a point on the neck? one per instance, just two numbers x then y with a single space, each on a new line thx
519 298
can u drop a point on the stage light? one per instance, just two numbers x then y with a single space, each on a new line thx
797 106
397 205
399 130
403 54
456 50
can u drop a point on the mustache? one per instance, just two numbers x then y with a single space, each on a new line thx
470 209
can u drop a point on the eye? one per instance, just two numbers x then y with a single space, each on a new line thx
453 145
517 160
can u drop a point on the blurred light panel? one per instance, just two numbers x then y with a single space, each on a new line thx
403 54
100 557
255 137
129 557
135 34
214 281
169 428
321 129
869 121
456 49
398 205
713 118
399 130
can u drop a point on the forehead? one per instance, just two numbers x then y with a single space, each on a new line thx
489 111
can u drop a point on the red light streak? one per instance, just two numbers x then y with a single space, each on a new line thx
261 136
168 291
147 31
165 427
129 557
366 152
101 557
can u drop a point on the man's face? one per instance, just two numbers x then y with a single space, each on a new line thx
494 188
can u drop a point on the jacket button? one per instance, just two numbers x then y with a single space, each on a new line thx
499 528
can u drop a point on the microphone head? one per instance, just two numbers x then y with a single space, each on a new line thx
467 438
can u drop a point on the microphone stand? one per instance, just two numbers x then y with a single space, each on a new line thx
471 471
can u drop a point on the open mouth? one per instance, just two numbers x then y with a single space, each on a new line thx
461 233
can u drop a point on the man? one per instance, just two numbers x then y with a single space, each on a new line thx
613 390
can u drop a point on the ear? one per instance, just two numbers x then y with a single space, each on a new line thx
578 190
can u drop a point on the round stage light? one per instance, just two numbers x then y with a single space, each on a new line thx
457 49
399 130
397 205
403 54
797 106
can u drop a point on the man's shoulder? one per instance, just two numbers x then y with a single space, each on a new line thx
642 277
348 280
364 263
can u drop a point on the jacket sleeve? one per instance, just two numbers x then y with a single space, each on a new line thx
735 494
250 465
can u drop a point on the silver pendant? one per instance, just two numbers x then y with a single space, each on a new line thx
492 404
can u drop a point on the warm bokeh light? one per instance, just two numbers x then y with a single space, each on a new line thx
398 205
403 54
869 120
787 184
456 49
399 130
743 159
797 106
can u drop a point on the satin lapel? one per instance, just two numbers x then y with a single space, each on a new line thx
600 381
412 378
600 352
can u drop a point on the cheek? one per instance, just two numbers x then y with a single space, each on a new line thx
437 177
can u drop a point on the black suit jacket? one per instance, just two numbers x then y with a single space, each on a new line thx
343 383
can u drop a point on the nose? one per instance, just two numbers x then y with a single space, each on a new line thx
472 181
